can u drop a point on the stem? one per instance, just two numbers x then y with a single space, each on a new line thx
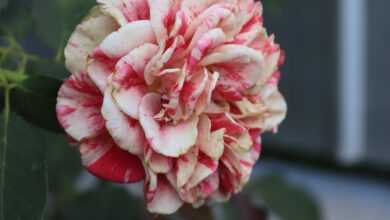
6 114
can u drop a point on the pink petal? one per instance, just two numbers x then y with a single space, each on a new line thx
127 133
104 159
166 200
78 107
198 6
128 37
168 140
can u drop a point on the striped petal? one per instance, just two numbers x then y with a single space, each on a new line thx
125 11
126 132
160 16
104 159
206 42
78 107
204 168
210 143
240 66
185 166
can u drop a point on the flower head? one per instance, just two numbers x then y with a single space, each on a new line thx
175 93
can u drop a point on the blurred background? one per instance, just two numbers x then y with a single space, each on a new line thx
329 161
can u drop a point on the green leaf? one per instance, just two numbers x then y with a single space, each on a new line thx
288 201
23 172
63 164
16 18
3 4
56 19
47 68
35 101
107 202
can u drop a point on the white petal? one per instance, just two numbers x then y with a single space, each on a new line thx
126 133
85 38
128 37
168 140
166 200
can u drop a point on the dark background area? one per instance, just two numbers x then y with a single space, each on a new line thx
301 175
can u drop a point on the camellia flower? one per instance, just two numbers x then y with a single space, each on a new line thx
175 93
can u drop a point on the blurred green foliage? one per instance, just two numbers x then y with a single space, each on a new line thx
39 168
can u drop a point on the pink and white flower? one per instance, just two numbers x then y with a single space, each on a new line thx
175 93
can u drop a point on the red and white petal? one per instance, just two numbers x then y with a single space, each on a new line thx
160 17
215 147
196 7
168 140
210 143
126 132
214 108
185 166
78 107
192 90
205 98
159 163
153 68
128 100
207 20
181 23
85 38
99 73
128 37
248 109
241 143
209 185
104 159
166 200
241 66
125 11
150 185
206 42
204 168
226 121
113 8
133 64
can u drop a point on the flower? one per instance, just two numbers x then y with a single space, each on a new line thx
175 93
